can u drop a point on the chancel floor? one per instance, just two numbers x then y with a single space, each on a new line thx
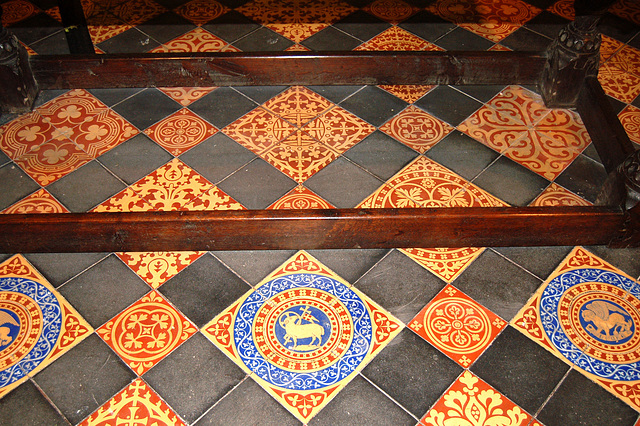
416 336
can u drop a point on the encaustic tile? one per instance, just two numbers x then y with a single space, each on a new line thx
303 334
587 313
37 324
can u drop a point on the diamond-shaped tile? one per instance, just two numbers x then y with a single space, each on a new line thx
408 93
214 199
627 9
470 400
196 40
300 198
156 268
297 32
186 95
38 202
302 334
259 130
201 11
52 160
457 325
137 403
563 8
627 59
298 105
392 11
522 105
136 12
146 332
416 129
17 10
101 132
299 11
180 131
397 39
555 195
630 119
618 83
26 132
339 129
71 109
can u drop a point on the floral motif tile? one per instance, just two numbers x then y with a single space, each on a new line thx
214 199
300 198
136 404
37 324
268 12
297 32
156 268
303 333
446 263
627 59
71 109
416 129
146 332
126 200
397 39
297 48
587 313
26 132
457 325
102 132
492 19
555 195
196 40
626 9
408 93
471 401
180 131
136 12
392 11
618 83
17 10
38 202
498 48
186 95
52 160
259 130
298 105
201 11
563 8
630 119
100 33
339 129
525 107
608 47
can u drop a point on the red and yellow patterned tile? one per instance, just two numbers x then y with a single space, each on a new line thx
298 105
186 95
457 325
471 401
126 200
563 8
555 195
214 199
586 313
136 12
338 129
630 119
180 131
397 39
626 9
297 32
297 11
408 93
302 324
26 132
618 83
37 324
136 404
392 11
201 11
14 11
52 160
300 198
156 268
146 332
446 263
38 202
416 129
196 40
259 130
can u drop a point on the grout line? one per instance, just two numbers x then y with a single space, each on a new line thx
46 397
246 377
387 395
520 266
555 389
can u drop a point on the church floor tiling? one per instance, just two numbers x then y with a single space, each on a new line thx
540 336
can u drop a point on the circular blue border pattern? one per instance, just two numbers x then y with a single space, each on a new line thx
549 317
347 364
52 325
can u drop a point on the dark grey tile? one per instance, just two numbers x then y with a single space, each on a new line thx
524 39
44 4
257 185
217 157
137 111
461 39
204 289
635 42
381 155
412 372
260 94
331 39
335 94
511 182
540 261
58 268
448 104
4 119
114 96
130 41
579 401
3 158
374 105
222 106
547 23
84 378
104 290
172 4
349 264
55 44
617 27
263 40
400 285
231 26
35 28
360 403
166 26
45 96
329 183
248 404
193 377
481 93
497 284
513 365
361 25
26 406
86 187
427 26
462 154
16 185
626 259
592 153
253 266
584 177
617 105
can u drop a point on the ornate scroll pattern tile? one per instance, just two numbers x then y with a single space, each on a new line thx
214 199
136 12
297 48
302 334
38 202
630 119
186 95
300 198
180 131
397 39
103 31
618 83
146 332
52 160
627 59
156 268
201 11
71 109
587 313
392 11
196 40
608 47
37 324
136 404
408 93
298 105
339 129
446 263
416 129
471 401
259 130
457 325
492 19
126 200
297 32
626 9
555 195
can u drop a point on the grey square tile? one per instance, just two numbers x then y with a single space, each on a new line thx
34 28
349 264
381 155
114 96
481 93
136 109
260 94
16 185
45 96
524 39
104 290
3 157
253 266
330 40
547 23
165 27
231 26
584 177
86 187
461 39
222 106
374 105
462 154
361 25
540 261
263 40
58 268
626 259
617 27
427 26
55 44
335 94
135 158
448 104
193 377
26 406
130 41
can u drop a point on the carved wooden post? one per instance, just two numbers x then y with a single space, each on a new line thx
18 88
630 172
573 55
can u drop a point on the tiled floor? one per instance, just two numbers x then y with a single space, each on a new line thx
429 336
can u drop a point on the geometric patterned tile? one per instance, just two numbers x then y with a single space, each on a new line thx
471 401
446 263
555 195
38 202
618 83
303 333
408 93
397 39
300 198
201 11
630 119
26 132
52 160
416 129
186 95
156 268
17 10
339 129
258 130
457 325
391 11
101 132
197 40
126 200
180 131
136 12
146 332
587 313
136 404
627 9
37 325
71 109
298 105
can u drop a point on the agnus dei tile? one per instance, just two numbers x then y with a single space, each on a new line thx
457 325
587 313
303 333
37 325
